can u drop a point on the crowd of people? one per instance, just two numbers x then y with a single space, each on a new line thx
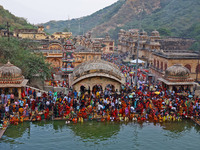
145 102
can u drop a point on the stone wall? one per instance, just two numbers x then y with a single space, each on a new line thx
56 89
37 83
176 43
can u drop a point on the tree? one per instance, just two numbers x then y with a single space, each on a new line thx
19 53
164 32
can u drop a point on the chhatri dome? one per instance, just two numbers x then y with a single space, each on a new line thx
177 72
97 66
177 76
96 72
11 76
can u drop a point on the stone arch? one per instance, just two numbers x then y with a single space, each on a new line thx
55 46
97 87
82 89
111 87
198 68
188 67
55 62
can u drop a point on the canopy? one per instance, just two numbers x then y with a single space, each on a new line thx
130 96
139 61
157 92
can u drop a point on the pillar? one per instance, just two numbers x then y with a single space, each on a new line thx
184 87
191 88
10 90
19 92
170 87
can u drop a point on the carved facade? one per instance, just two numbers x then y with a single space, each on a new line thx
165 59
34 34
11 79
105 45
96 72
128 42
177 77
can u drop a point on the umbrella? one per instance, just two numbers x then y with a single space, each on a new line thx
130 96
190 96
157 92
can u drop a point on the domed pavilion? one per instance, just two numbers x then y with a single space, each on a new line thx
96 73
11 79
177 77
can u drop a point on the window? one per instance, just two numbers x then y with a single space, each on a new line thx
161 67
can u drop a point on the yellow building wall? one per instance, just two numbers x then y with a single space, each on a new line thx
32 36
82 57
55 47
170 62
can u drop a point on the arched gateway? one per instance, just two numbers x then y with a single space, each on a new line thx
96 72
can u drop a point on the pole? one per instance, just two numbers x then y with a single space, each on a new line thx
197 70
138 46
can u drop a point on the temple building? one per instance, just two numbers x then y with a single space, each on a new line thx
53 54
105 45
96 74
68 58
108 45
11 79
161 60
177 77
83 54
128 42
34 34
61 35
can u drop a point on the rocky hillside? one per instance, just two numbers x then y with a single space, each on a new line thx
15 22
170 17
84 24
129 11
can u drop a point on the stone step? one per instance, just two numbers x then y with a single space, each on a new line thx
36 89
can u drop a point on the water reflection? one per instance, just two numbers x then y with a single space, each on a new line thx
96 130
179 127
17 130
91 130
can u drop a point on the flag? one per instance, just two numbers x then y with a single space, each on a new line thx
55 94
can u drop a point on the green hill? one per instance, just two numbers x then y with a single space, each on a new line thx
84 24
170 17
15 22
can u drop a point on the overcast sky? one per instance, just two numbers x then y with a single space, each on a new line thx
41 11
